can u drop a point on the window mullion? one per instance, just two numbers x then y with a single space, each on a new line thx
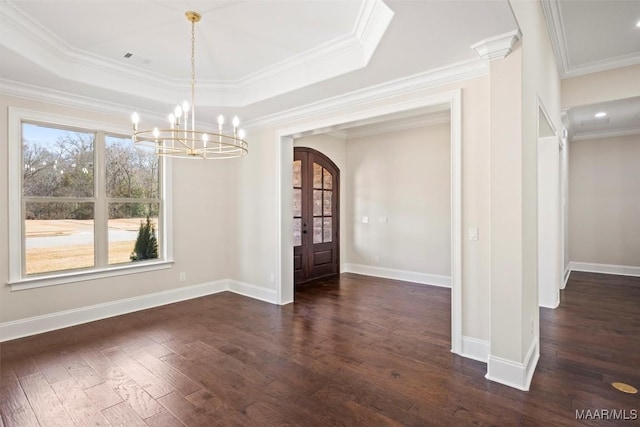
101 209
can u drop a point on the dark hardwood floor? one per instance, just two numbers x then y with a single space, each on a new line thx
352 351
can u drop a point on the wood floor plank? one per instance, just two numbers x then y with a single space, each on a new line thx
163 419
80 407
50 366
15 409
132 393
166 373
103 396
81 372
185 411
138 373
45 403
213 382
122 415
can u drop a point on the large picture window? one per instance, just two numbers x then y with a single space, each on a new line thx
87 201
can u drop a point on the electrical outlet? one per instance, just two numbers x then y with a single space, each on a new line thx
183 276
272 278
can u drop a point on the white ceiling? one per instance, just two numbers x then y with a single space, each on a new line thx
254 58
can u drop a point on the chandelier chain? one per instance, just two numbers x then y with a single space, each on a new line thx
193 67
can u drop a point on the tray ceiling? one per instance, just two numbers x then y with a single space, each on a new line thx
254 57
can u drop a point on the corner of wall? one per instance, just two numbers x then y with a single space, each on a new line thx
515 374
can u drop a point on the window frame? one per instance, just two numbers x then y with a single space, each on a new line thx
18 279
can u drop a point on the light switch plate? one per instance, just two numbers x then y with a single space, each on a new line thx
473 233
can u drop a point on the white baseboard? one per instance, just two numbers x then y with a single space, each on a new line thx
253 291
476 349
514 374
567 274
390 273
64 319
555 303
590 267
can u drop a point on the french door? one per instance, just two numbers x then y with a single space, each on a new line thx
316 236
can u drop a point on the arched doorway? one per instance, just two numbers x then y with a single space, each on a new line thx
316 218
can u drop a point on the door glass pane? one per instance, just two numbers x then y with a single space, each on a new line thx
328 180
297 173
317 176
58 236
297 202
326 203
132 172
317 202
57 162
326 234
128 227
317 230
297 231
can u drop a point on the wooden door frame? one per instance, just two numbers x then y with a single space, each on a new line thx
284 191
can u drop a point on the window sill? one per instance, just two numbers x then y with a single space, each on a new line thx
81 276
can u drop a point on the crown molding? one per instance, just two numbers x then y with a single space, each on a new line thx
553 16
557 35
583 136
406 85
497 47
341 55
65 99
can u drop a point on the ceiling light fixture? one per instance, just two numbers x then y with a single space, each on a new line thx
601 114
638 24
182 139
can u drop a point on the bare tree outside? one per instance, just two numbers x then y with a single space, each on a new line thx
58 188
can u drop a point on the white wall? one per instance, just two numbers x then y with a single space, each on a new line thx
201 247
605 201
404 178
335 149
604 86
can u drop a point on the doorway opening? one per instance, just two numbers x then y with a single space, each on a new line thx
449 101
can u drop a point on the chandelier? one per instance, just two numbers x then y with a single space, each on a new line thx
181 138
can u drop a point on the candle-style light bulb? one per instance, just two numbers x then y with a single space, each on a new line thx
236 122
135 119
205 138
185 106
220 120
178 111
241 134
172 120
156 132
